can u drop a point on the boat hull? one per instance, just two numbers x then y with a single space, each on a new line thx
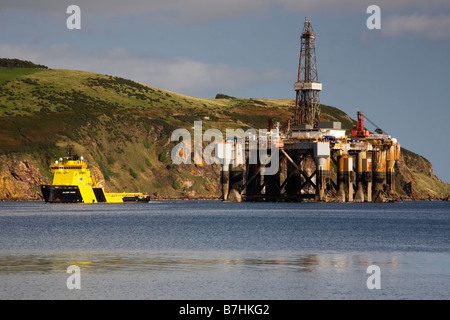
73 194
61 194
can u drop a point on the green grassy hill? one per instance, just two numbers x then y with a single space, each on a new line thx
123 129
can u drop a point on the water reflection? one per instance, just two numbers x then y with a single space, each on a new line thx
93 262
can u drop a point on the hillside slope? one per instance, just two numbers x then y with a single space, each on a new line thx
123 129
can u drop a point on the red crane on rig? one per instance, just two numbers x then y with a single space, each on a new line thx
358 130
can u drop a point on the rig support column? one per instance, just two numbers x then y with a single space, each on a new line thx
340 179
236 172
225 181
390 162
322 157
253 181
236 182
348 178
367 164
359 196
224 153
379 174
272 184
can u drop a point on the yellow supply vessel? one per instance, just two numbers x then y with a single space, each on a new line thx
73 183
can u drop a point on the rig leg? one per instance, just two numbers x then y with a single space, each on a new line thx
225 180
341 180
236 179
359 196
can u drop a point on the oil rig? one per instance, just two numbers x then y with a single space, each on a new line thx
316 160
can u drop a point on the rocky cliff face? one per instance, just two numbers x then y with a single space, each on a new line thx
20 178
415 179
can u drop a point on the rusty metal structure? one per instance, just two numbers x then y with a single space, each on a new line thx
317 160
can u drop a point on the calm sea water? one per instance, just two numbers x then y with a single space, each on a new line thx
217 250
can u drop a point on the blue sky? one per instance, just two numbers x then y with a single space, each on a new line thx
398 75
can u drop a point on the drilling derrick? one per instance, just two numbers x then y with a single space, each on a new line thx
307 87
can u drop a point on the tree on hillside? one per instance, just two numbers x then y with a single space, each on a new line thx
17 63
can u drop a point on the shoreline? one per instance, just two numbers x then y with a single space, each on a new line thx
445 198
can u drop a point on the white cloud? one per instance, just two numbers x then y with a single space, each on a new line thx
178 74
422 25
